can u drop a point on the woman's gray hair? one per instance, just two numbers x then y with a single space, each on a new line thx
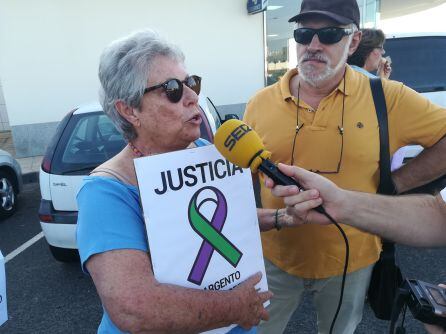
124 69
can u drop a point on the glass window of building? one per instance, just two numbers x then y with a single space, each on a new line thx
280 45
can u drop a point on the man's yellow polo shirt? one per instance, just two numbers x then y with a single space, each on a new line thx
312 251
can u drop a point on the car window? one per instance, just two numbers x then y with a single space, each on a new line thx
416 61
76 139
93 140
205 131
205 127
214 113
88 140
106 128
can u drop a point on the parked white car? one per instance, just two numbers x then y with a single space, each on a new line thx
84 139
10 184
418 62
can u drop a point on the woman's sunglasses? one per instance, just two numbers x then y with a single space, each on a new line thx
174 87
329 35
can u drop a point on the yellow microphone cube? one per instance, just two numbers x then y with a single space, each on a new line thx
240 144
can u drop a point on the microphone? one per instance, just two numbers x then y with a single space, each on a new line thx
242 146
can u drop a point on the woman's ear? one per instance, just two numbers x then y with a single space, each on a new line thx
355 42
128 113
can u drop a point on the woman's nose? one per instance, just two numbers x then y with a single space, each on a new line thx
190 97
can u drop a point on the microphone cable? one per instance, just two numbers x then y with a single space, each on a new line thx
344 273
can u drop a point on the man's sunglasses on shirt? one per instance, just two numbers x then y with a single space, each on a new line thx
328 35
174 87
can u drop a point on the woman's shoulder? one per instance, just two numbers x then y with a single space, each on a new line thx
101 182
105 180
120 168
109 196
99 187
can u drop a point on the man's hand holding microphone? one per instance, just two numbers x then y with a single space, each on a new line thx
300 203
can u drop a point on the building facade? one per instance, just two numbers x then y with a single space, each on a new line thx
51 49
50 53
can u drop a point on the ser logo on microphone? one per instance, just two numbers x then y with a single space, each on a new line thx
236 135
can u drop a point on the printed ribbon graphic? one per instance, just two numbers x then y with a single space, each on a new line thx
210 231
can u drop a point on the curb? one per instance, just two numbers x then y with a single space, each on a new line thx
30 177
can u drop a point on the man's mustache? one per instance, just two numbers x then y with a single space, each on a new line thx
313 56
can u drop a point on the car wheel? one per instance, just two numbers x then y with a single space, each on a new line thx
64 254
8 192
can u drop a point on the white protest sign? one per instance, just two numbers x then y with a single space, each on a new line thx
201 220
3 306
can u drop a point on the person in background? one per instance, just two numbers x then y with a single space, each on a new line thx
414 220
153 101
368 57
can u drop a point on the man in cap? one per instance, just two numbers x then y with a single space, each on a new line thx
321 116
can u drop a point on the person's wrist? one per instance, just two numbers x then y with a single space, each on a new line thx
236 316
340 211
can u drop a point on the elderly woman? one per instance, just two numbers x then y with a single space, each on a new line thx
368 57
152 100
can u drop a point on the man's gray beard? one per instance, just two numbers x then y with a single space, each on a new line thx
306 72
308 75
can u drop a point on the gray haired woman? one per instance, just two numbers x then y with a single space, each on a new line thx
152 100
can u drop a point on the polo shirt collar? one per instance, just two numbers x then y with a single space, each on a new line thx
285 84
351 77
351 81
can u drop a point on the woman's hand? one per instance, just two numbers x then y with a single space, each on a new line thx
252 310
384 68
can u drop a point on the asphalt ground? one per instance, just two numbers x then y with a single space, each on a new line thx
45 296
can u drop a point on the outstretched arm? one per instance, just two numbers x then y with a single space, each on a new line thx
412 220
137 303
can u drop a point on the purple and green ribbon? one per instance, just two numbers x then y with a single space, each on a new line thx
210 231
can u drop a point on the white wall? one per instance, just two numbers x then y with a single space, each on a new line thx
4 120
426 21
50 49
